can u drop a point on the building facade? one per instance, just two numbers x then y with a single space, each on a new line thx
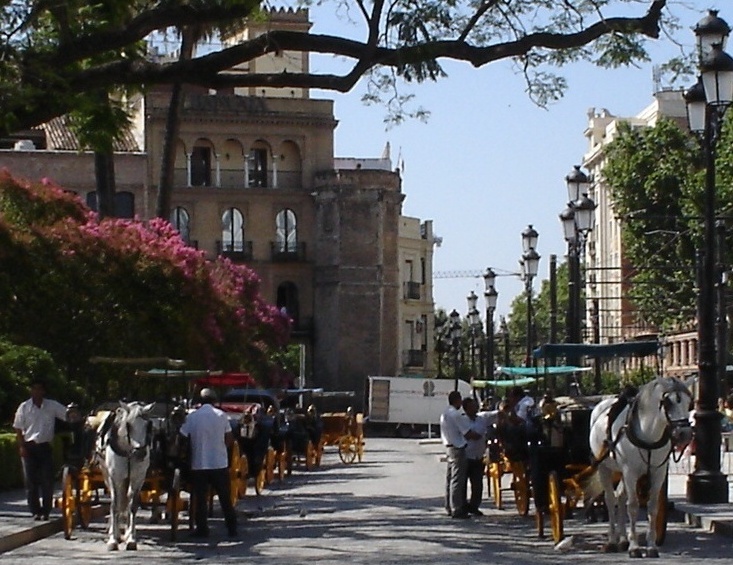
256 181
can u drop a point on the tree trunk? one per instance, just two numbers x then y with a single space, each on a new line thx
104 172
172 127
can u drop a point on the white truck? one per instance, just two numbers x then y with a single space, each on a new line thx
408 402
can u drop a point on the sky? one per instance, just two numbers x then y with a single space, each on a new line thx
489 162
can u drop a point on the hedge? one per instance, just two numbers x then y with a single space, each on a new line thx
11 470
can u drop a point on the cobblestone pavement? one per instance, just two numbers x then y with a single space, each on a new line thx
387 509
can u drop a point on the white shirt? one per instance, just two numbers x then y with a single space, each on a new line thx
523 407
477 447
454 425
37 423
206 427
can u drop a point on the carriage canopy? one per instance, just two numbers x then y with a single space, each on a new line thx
624 349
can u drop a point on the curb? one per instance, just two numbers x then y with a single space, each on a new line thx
43 530
720 522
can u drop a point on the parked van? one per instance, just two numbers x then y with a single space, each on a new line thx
410 403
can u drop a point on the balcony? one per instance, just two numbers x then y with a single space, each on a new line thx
234 179
237 251
412 290
413 358
287 253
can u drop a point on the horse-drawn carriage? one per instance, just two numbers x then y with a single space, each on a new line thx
345 430
613 446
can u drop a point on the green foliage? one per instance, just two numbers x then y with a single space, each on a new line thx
11 471
656 185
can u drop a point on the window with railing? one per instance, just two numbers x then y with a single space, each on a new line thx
181 221
201 166
413 358
232 234
412 290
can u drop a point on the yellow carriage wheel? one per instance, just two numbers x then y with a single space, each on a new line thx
310 455
270 459
347 449
520 485
319 452
260 479
68 501
85 498
360 448
282 464
243 476
234 473
556 510
495 471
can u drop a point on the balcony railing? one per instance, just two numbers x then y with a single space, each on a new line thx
239 251
413 357
284 253
412 290
233 179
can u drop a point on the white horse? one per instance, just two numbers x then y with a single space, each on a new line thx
639 444
123 452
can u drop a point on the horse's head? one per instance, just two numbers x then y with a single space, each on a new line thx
132 428
675 401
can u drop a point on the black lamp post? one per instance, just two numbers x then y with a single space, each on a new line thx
529 265
474 323
578 220
707 102
455 336
491 296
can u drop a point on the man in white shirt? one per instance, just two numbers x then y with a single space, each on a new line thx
34 425
210 436
455 430
475 450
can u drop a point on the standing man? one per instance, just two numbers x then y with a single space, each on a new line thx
455 429
34 426
475 451
210 436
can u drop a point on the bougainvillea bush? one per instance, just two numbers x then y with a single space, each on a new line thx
79 287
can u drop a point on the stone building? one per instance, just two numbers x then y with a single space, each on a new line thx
256 181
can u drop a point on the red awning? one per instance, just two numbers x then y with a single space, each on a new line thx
227 380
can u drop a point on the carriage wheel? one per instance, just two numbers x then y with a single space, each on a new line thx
660 526
234 473
282 464
520 485
85 498
270 465
243 476
495 471
347 449
68 501
310 455
360 447
555 507
260 479
173 502
319 452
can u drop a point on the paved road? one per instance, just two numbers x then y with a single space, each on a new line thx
386 510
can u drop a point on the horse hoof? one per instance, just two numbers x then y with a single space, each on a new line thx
112 546
623 546
610 548
652 552
131 546
635 552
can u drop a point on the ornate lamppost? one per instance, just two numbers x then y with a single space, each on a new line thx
491 296
707 102
474 324
578 220
455 336
529 265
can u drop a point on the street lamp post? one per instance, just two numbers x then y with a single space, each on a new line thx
455 335
707 102
577 220
474 323
491 296
529 264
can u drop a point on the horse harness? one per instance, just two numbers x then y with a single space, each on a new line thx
135 453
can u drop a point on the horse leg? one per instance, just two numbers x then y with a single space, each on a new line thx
112 539
610 499
632 505
131 516
621 515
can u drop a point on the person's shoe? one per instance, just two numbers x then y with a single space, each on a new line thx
448 511
37 517
475 512
45 517
461 515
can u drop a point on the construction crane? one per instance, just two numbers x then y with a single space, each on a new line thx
471 274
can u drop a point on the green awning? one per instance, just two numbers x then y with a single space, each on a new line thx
541 371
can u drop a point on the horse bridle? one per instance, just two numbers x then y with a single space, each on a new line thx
135 452
672 423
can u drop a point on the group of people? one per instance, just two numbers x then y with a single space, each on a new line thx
464 431
206 430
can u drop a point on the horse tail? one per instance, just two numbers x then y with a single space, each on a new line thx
590 483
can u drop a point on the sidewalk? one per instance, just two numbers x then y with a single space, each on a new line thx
17 527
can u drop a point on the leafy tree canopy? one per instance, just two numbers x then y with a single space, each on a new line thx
656 180
75 47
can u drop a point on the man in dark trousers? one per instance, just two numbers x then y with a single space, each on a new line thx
34 426
210 436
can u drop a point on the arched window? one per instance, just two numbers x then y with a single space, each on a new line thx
232 231
181 220
286 233
287 299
